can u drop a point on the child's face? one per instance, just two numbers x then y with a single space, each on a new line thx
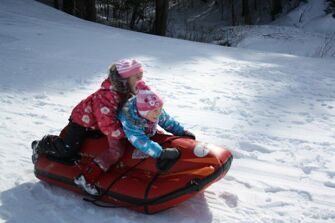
153 115
132 80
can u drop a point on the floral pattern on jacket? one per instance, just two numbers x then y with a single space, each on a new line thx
99 111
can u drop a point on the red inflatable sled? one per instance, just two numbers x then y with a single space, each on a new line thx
136 182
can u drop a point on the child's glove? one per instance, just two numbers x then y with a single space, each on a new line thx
189 134
169 154
168 157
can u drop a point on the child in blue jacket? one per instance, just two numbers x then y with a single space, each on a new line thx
140 116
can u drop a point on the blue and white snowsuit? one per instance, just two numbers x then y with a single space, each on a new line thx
138 129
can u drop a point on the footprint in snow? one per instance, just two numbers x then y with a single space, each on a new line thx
249 147
302 194
331 174
308 169
329 184
40 97
230 199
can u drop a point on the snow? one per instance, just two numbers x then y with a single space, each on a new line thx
308 11
276 112
287 40
305 31
323 24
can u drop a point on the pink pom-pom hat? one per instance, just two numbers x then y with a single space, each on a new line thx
128 67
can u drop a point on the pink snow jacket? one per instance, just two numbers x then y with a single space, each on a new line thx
99 111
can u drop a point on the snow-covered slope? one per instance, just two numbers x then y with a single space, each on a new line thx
306 31
276 113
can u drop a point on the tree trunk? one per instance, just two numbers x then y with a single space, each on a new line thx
107 15
222 9
85 9
68 6
79 8
233 21
160 25
91 12
277 8
56 4
246 12
134 16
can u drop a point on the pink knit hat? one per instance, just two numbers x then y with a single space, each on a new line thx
128 67
146 99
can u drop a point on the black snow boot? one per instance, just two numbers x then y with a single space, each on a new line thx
45 145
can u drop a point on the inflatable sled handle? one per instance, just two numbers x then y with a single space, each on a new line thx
172 138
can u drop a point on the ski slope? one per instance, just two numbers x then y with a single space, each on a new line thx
276 112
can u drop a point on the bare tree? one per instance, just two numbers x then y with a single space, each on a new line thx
85 9
221 5
91 12
232 10
56 4
246 12
68 6
160 24
135 5
277 8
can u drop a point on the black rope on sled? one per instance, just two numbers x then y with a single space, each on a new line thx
148 190
98 198
146 203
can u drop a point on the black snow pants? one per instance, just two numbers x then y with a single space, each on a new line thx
67 146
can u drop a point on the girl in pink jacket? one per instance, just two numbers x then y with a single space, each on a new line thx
97 114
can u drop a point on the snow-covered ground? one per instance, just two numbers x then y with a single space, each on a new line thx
276 112
305 31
